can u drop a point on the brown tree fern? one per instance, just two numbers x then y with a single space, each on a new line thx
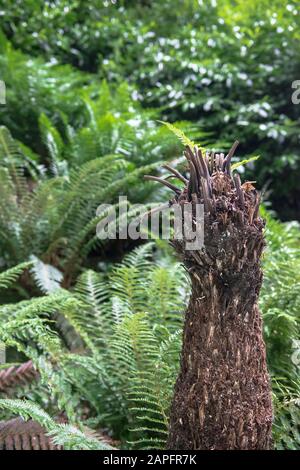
222 397
15 376
17 434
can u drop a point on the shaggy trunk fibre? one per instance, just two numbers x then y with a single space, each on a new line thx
222 396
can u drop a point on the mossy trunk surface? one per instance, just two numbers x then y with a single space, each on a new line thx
222 397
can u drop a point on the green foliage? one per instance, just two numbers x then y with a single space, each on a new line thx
281 293
67 118
107 343
189 143
244 162
279 301
113 124
179 134
130 323
10 276
67 436
55 218
218 64
32 88
286 426
47 277
128 366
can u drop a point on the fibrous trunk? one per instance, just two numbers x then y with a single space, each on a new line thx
222 396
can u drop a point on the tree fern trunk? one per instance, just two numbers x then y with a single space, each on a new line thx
222 396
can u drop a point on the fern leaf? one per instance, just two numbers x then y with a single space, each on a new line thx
244 162
17 434
70 437
179 133
181 136
13 376
53 143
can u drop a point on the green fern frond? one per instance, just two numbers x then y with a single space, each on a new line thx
53 143
96 327
38 306
70 437
13 159
236 165
47 277
127 279
27 410
148 444
11 275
